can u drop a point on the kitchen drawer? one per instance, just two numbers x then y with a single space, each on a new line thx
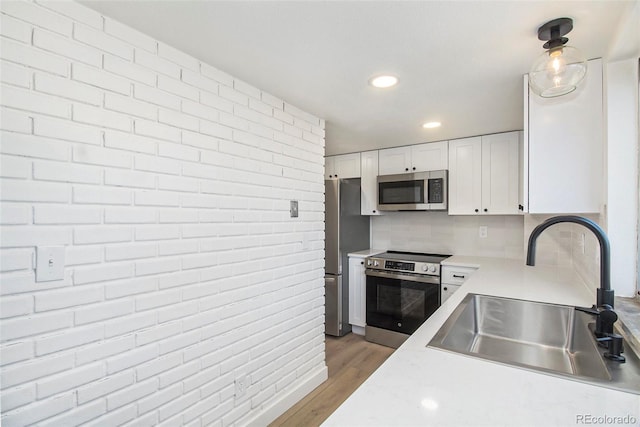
456 275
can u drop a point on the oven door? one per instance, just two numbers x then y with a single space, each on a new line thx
400 302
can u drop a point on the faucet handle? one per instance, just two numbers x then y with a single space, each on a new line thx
604 323
615 345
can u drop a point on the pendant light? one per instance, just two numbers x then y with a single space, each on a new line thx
560 69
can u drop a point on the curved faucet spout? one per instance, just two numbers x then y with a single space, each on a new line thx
605 294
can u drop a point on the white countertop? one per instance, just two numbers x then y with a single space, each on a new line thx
421 386
365 253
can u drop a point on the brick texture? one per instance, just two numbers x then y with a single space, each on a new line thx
168 183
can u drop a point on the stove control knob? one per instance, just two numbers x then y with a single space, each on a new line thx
368 263
432 269
425 268
376 264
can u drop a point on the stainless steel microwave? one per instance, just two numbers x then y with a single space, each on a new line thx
420 191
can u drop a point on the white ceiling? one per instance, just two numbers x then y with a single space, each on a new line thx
459 62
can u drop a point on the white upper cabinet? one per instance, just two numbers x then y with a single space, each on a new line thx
566 148
342 166
484 175
414 158
369 183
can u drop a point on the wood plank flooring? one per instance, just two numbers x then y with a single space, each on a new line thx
350 360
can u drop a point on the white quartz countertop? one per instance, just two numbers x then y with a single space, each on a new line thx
423 386
366 253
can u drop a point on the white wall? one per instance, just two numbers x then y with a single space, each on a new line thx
438 232
168 184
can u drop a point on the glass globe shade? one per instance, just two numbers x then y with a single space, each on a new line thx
557 71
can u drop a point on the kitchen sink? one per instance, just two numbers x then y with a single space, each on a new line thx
549 338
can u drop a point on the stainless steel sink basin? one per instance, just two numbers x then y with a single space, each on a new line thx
550 338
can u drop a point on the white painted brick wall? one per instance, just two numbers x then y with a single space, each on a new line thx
168 182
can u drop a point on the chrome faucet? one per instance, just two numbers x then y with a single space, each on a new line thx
604 294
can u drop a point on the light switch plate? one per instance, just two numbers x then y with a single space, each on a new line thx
49 263
293 209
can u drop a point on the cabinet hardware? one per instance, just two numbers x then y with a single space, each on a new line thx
486 210
458 276
520 207
476 210
445 289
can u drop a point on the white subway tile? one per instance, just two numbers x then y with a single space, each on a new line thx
215 129
20 236
216 101
155 367
178 151
15 352
178 279
79 415
100 117
157 164
156 63
177 311
39 16
177 119
66 47
27 55
65 172
105 386
131 358
129 70
26 100
277 103
40 410
101 195
233 95
102 311
67 130
104 349
15 167
130 35
124 288
130 106
199 81
12 260
130 142
161 265
156 130
73 338
69 380
178 405
157 299
260 107
34 325
18 396
233 121
132 394
102 41
177 56
127 325
95 234
66 214
115 418
283 117
200 110
33 146
246 88
157 198
158 333
17 305
15 74
74 11
101 273
155 96
129 215
101 156
178 183
129 251
30 191
15 29
159 398
127 178
101 79
179 247
176 87
296 112
15 214
199 140
215 74
70 297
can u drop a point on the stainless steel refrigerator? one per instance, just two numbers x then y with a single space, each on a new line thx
345 231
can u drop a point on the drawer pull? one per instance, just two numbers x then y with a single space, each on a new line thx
458 276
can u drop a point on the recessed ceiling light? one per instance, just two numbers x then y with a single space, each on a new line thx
383 81
431 125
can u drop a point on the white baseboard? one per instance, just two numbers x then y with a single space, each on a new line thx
307 384
358 330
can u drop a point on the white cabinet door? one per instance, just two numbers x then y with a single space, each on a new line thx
342 166
357 292
430 157
566 148
447 291
369 183
500 174
394 160
465 174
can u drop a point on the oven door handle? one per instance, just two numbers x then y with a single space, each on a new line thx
408 277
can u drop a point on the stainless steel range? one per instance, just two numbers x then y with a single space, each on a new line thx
403 290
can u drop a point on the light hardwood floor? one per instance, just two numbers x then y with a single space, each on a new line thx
350 360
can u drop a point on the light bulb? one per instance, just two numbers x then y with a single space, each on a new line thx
557 71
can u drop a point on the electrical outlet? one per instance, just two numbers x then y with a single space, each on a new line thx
483 231
241 385
293 208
